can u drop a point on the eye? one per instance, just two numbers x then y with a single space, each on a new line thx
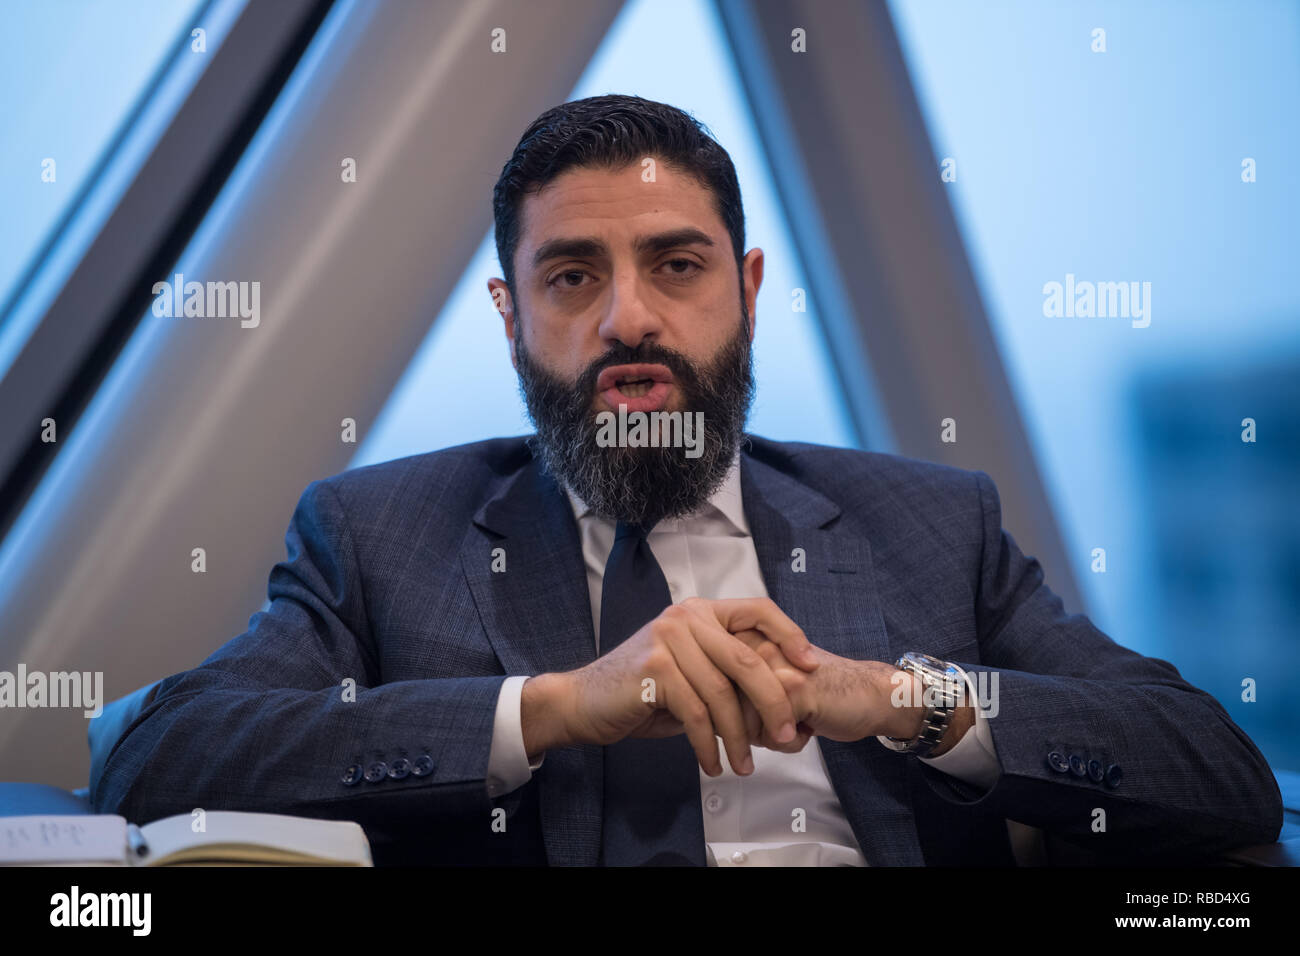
680 274
561 279
690 271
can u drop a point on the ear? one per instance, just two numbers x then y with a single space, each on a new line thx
752 267
502 302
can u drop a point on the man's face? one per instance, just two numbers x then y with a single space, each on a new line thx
629 295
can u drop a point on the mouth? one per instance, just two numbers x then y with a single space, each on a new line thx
640 387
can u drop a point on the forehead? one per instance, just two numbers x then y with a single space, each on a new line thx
616 205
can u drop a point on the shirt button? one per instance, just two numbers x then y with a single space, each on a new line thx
713 803
739 857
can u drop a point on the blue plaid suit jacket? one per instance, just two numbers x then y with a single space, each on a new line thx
389 582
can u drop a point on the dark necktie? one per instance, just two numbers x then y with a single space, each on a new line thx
652 785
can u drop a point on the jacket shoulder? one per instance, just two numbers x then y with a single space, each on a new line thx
846 475
459 477
914 513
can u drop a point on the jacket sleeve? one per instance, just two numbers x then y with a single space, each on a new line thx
1082 725
268 723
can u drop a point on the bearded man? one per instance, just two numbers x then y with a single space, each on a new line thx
556 639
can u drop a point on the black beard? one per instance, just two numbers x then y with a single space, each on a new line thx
640 485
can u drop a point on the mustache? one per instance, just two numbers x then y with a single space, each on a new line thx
684 372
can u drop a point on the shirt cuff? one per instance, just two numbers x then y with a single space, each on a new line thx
973 758
508 765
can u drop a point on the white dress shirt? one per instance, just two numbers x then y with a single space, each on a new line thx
748 821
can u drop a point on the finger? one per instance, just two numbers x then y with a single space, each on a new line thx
765 738
754 676
762 614
755 639
684 704
714 687
803 735
753 721
679 698
759 736
772 654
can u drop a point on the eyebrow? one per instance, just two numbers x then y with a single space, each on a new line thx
587 247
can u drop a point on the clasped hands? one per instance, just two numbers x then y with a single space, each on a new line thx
738 669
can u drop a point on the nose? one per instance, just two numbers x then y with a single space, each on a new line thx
628 317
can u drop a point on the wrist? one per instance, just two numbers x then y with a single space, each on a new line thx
907 706
541 714
904 697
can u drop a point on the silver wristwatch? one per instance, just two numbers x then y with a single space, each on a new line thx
943 689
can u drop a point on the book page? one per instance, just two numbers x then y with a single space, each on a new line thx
232 836
63 839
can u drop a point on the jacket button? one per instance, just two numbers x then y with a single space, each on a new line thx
1077 766
1113 775
423 766
1095 773
1057 762
352 775
376 771
400 768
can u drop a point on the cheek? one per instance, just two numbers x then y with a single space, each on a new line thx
562 345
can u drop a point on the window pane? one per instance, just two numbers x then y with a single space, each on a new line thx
83 83
1086 166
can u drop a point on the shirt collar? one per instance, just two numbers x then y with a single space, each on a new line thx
726 501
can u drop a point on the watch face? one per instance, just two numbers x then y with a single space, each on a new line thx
944 687
933 664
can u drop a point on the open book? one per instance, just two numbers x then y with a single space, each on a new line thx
228 838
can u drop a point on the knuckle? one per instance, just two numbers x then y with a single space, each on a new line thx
675 613
792 684
664 628
718 685
658 659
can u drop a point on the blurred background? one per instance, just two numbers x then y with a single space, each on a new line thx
917 173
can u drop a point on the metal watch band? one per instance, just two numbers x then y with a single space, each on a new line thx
933 673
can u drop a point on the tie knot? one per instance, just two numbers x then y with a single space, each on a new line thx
626 530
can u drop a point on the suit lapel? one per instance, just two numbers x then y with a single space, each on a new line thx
537 614
832 596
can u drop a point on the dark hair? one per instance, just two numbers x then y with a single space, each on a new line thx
611 131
